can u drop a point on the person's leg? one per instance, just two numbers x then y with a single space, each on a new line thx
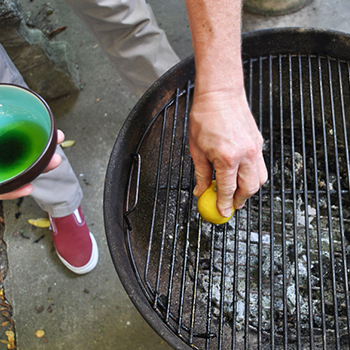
64 194
128 32
58 192
8 72
75 245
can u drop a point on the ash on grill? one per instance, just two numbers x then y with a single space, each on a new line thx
286 286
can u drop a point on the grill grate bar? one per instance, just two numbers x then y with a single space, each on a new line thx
235 284
247 289
329 204
260 252
295 223
342 220
176 226
340 200
315 171
272 226
210 289
308 247
185 259
161 251
195 286
157 184
283 213
222 292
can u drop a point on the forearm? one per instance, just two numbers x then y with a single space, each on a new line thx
216 35
223 132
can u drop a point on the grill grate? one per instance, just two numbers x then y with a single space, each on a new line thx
276 276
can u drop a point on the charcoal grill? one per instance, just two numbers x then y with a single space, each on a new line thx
276 276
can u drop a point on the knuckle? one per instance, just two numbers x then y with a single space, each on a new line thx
228 157
252 150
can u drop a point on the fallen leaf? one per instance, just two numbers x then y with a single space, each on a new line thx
98 99
3 324
42 222
68 143
4 341
39 333
95 47
11 340
5 314
10 336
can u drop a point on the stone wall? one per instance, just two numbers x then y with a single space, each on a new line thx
48 67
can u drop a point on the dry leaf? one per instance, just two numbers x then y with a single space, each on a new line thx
42 222
11 340
10 336
39 333
3 324
98 99
5 314
4 341
68 143
95 47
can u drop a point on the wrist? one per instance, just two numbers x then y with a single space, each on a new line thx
219 74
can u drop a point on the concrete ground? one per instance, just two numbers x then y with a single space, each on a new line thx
93 311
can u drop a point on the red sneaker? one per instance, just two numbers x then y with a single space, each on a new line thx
75 245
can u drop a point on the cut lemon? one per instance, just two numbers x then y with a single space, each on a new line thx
206 206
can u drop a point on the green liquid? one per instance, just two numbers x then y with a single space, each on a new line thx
21 144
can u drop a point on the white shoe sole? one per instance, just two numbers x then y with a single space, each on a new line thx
89 266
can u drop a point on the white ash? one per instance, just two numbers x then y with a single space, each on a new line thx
294 273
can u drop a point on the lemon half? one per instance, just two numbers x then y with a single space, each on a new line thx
206 206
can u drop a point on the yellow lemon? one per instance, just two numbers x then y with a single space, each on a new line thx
206 206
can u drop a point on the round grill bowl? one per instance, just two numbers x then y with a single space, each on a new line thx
213 287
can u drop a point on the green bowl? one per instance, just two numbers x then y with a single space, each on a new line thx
28 136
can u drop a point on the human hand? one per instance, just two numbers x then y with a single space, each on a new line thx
27 189
224 135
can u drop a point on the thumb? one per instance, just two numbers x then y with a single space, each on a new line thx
25 190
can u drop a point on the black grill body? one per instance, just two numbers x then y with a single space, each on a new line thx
276 276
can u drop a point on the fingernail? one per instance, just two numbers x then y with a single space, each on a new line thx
240 206
227 213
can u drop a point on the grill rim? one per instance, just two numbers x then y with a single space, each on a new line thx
273 41
115 191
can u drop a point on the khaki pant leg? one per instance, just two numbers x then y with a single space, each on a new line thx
127 31
8 72
58 192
